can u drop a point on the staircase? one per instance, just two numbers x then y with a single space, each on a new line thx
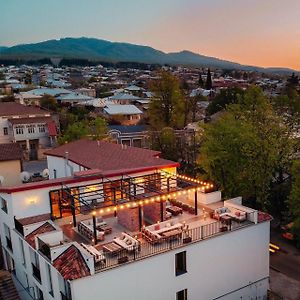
7 288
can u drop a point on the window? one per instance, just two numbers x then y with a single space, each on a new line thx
39 294
30 128
22 252
181 295
180 263
3 204
7 237
125 142
19 130
42 128
5 130
50 285
137 143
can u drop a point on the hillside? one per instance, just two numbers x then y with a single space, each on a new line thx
102 50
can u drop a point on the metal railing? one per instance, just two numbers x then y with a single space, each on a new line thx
147 248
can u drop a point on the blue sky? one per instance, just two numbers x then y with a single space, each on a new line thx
256 32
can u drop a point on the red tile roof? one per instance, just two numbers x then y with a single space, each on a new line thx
71 264
16 109
32 120
46 227
52 128
35 219
109 156
10 151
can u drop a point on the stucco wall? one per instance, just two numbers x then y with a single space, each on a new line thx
10 170
215 267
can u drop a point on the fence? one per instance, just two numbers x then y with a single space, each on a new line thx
164 244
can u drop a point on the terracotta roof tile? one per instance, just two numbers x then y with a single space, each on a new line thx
109 156
16 109
35 219
71 264
46 227
10 151
32 120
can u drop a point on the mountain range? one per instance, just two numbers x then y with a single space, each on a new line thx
102 50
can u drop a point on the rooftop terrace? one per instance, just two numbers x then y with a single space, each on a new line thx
113 236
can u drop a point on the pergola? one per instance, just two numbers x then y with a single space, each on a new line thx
130 191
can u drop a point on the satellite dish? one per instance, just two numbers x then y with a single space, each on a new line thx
25 176
45 173
1 179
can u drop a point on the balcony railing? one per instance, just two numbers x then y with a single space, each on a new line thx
36 272
147 249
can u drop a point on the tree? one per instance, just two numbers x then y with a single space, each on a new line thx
193 105
74 132
208 84
48 102
245 149
98 128
167 108
294 201
200 81
224 98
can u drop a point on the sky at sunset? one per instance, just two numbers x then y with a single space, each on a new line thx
254 32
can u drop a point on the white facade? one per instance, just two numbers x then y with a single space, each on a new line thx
233 265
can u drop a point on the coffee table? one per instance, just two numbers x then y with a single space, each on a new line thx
106 228
112 248
174 210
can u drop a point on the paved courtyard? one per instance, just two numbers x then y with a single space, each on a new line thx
35 166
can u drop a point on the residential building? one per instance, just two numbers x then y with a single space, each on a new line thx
31 127
134 135
11 164
137 231
126 114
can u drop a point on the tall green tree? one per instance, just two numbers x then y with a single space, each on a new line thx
224 98
246 149
200 81
49 102
294 201
98 128
74 132
208 84
167 108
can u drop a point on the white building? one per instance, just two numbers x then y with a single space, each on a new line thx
87 236
29 126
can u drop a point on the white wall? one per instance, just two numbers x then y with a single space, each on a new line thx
59 164
215 266
5 138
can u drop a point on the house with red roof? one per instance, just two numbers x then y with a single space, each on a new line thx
29 126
